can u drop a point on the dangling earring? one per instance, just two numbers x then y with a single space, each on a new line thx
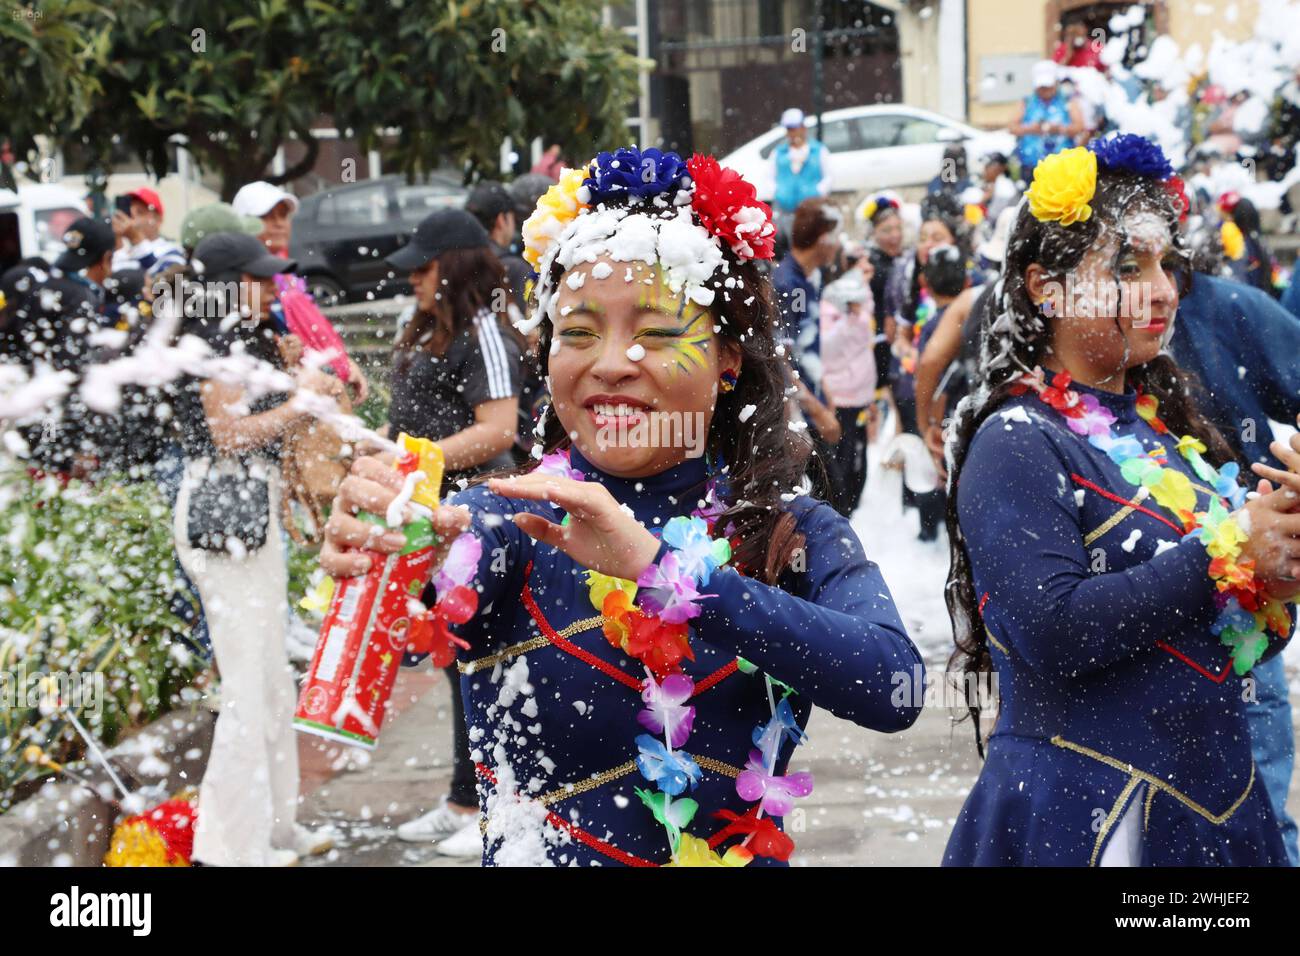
728 381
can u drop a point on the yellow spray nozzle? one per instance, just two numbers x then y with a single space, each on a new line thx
429 454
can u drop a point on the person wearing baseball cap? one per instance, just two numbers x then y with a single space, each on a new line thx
801 169
274 206
140 242
456 378
494 208
1049 120
214 218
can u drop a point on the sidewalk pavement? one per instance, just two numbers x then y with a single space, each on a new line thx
881 799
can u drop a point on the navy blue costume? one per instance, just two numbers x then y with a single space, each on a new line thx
830 631
1112 687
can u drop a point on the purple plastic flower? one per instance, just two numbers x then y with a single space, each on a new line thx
1095 419
666 708
1129 153
460 565
668 592
557 465
630 171
775 794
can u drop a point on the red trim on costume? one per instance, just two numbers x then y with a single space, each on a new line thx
1217 678
579 834
622 676
1079 479
568 646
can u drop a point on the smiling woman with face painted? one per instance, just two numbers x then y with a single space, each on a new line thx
1106 565
660 603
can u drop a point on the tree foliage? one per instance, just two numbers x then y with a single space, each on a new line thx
239 78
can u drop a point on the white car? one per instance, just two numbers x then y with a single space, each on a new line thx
875 147
33 220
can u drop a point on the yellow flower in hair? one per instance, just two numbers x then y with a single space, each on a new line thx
869 209
1234 243
1064 184
555 210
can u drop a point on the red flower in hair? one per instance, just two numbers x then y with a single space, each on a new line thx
729 208
1177 190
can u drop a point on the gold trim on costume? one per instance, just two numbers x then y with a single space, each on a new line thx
1113 817
1146 813
523 647
994 641
1127 510
1218 819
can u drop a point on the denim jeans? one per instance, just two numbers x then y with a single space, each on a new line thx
1272 743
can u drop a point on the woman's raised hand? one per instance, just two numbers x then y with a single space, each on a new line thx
599 535
371 486
1274 542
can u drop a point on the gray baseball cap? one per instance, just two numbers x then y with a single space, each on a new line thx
227 255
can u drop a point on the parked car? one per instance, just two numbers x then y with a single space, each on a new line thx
875 147
33 220
341 235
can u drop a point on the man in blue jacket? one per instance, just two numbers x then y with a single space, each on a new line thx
1243 347
802 169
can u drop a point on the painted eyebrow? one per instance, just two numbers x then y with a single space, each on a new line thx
595 308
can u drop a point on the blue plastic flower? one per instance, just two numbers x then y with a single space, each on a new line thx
1129 153
767 737
1227 486
670 772
698 555
630 171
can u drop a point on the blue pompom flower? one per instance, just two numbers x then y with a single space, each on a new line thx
630 171
1129 153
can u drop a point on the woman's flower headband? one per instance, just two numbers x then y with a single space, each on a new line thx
1066 182
634 189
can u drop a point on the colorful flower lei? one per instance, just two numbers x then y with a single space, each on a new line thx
1246 614
655 631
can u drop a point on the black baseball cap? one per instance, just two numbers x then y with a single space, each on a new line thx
439 232
488 200
227 255
87 240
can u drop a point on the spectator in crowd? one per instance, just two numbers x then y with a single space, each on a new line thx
797 284
1243 243
550 163
142 246
1048 121
494 208
886 250
954 177
227 532
1077 48
214 218
848 332
1000 193
801 169
88 259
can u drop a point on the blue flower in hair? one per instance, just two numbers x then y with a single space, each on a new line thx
630 171
1129 153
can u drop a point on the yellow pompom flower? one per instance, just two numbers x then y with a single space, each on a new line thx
1234 243
555 210
602 585
974 214
1064 184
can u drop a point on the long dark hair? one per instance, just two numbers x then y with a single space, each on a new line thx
1015 338
472 280
763 458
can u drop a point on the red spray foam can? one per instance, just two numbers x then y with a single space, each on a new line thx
370 618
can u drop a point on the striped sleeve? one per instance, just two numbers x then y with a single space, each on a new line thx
493 369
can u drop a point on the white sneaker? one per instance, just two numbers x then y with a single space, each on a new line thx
465 842
282 858
437 824
313 841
